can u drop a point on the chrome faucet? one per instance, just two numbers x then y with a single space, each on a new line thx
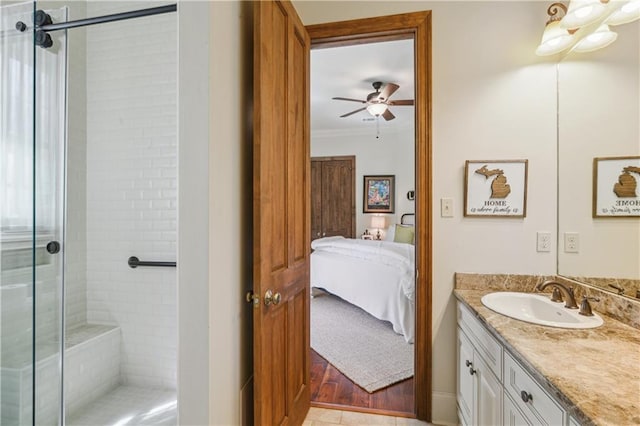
566 291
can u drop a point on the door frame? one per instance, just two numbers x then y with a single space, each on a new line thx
417 27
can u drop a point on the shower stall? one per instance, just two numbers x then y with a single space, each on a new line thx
88 222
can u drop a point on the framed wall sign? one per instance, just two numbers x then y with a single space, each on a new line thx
379 194
616 186
495 188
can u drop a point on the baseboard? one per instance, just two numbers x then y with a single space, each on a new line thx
444 411
246 403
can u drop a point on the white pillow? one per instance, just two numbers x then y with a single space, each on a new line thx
390 233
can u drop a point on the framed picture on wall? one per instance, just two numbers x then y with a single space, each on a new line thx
495 188
615 186
379 194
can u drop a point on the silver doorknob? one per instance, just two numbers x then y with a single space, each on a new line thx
271 298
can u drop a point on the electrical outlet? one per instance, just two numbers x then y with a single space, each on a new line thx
571 242
446 207
544 241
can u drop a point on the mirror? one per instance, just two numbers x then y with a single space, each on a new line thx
599 117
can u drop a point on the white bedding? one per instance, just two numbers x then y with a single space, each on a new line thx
377 276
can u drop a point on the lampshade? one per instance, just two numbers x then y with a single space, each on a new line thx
554 39
582 12
377 222
629 12
602 37
377 109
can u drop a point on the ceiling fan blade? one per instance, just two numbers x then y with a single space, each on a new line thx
352 112
387 115
349 99
387 91
401 102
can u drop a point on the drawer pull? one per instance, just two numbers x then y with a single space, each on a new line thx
468 363
472 371
526 396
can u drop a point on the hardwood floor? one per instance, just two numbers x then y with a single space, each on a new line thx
331 388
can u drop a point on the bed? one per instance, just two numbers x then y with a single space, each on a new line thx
377 276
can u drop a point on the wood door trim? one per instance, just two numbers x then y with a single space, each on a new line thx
416 26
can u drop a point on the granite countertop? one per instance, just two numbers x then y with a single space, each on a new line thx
594 373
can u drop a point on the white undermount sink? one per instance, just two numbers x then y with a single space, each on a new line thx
538 309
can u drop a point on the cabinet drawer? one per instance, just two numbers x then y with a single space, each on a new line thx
486 345
512 415
520 386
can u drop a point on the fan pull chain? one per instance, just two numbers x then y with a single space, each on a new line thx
377 127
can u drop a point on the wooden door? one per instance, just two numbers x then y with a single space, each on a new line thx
281 245
316 199
333 207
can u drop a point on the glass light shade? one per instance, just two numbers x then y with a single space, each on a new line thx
554 39
629 12
377 222
602 37
376 109
582 12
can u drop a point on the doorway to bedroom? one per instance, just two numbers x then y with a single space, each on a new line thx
367 340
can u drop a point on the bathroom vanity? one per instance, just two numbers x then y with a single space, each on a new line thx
512 372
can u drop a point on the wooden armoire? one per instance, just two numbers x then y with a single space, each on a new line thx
333 204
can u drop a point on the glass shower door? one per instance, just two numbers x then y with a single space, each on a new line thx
49 239
31 232
17 256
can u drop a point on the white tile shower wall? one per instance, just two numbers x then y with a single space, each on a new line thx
76 220
92 369
131 187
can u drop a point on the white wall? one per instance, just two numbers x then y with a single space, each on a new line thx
492 99
391 154
131 187
214 245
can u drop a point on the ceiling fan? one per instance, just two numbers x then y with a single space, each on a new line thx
378 103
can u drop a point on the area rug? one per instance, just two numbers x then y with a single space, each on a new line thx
363 348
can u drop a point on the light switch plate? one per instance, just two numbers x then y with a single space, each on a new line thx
446 207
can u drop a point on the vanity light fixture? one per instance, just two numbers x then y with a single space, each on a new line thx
602 37
583 12
555 39
629 12
584 25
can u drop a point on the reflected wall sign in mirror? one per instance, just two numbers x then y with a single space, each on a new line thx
598 110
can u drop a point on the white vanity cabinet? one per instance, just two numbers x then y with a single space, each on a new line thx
479 388
534 403
492 387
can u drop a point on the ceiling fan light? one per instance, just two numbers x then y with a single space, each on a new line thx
377 108
629 12
602 37
554 39
582 12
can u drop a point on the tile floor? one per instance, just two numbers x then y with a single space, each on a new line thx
325 417
134 406
129 406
